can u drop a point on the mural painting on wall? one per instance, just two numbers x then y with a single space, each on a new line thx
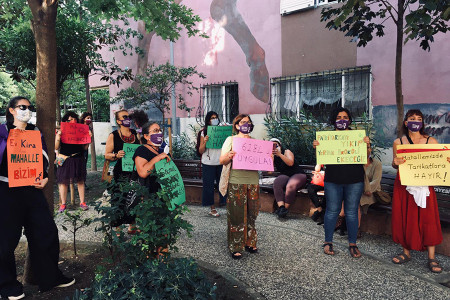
225 13
436 118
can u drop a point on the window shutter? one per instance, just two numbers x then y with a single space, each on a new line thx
289 6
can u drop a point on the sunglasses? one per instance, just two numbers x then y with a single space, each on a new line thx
126 117
25 107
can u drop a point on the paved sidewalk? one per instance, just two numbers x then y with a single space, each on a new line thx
291 265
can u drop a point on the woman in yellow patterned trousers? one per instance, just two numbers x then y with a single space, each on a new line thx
243 195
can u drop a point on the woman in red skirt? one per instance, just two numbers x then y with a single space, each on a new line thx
414 227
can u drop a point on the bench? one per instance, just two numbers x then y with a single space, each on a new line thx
191 171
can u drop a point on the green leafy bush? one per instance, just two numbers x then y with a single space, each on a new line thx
183 147
154 279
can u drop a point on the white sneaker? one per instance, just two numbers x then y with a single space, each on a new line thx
16 297
67 282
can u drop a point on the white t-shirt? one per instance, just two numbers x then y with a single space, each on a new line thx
211 157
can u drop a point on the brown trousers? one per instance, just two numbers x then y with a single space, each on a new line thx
242 209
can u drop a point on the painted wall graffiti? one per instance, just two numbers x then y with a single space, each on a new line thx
436 118
227 15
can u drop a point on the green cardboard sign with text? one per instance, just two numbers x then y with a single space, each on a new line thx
341 147
173 186
127 160
217 135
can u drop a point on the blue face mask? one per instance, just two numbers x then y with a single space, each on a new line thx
215 122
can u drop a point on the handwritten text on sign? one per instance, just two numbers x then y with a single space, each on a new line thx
217 135
252 154
24 148
75 133
341 147
127 160
168 171
426 167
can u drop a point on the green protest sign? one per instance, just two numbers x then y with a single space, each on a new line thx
127 160
341 147
172 183
217 135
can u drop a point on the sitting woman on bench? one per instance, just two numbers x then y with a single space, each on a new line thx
291 179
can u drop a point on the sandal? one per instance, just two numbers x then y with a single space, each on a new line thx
433 264
214 213
354 251
402 258
236 255
330 249
251 249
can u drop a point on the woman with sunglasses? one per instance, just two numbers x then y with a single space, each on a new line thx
73 170
114 152
26 207
211 167
243 195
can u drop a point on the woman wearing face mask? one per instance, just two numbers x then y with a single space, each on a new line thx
147 155
211 167
415 227
342 183
243 195
86 119
290 180
74 167
114 152
26 207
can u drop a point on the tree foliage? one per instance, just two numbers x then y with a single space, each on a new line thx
361 20
155 87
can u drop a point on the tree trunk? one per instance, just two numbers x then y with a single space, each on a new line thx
44 30
398 67
89 109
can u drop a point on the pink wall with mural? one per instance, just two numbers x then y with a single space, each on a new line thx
244 45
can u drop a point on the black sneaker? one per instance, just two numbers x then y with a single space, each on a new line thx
315 216
282 213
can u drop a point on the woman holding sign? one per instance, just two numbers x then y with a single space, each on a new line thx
243 195
71 165
414 227
211 167
26 207
114 152
342 183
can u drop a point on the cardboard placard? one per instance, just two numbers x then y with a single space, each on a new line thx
426 164
252 154
25 165
341 147
168 170
127 160
217 135
75 133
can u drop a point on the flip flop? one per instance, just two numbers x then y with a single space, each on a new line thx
402 258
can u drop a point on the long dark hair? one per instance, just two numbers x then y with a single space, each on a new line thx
145 130
208 121
410 113
139 117
84 116
335 113
12 104
68 114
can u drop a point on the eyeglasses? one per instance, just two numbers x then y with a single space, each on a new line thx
25 107
245 122
157 130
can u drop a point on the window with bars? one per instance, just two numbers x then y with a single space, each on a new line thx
223 98
319 93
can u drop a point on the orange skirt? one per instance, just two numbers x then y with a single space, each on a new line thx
414 227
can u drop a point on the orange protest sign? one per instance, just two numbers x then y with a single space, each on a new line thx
75 133
24 148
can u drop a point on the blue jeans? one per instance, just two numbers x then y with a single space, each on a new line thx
211 174
351 195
